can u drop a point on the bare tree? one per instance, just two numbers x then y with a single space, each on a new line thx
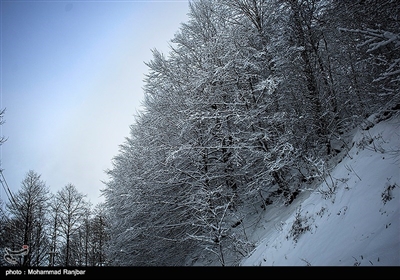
2 121
54 230
29 210
73 209
99 236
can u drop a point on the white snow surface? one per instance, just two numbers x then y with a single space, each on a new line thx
357 224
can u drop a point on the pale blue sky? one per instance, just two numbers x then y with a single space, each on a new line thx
71 82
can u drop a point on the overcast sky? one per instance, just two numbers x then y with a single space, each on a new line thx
71 83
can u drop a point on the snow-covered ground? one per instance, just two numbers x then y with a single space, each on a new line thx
351 219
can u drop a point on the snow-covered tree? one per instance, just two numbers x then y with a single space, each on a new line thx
250 96
375 34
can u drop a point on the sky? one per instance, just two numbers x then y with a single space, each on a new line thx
71 83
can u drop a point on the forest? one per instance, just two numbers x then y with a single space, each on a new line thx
250 106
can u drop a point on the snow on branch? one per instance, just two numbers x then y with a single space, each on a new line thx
376 38
390 71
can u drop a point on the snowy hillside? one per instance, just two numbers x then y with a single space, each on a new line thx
351 219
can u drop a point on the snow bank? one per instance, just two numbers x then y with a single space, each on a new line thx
350 219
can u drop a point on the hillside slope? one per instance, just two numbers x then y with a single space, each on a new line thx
352 218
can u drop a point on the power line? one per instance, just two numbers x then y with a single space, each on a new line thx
10 197
7 189
4 187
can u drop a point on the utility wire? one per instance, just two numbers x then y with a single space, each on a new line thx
7 189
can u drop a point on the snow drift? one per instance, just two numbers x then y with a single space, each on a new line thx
351 219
